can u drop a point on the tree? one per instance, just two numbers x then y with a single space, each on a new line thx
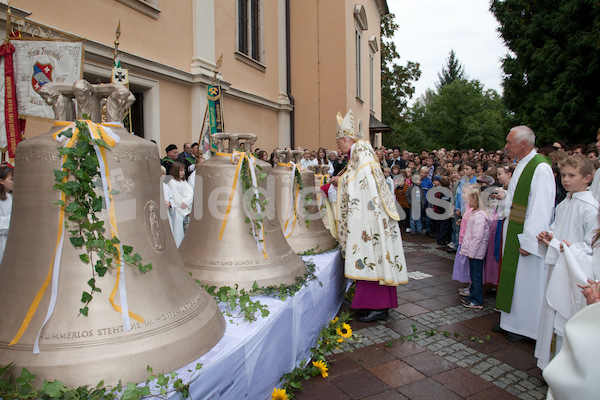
460 115
451 72
552 74
396 87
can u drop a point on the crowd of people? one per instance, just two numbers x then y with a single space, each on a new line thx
508 214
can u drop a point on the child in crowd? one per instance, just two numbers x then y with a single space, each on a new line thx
407 176
444 224
183 196
474 245
395 172
460 269
387 173
426 184
401 193
416 200
575 221
6 187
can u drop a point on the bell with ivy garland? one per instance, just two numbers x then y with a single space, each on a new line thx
46 284
297 206
234 236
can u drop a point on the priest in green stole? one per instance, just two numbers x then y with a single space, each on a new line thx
523 273
367 225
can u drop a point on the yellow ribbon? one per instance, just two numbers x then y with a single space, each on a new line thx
98 132
293 208
240 156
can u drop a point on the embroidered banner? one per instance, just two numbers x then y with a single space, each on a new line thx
39 62
215 112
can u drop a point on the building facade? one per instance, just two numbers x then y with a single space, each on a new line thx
287 66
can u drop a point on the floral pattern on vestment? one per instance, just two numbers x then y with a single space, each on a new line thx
368 230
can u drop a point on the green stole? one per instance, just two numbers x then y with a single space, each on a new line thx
516 221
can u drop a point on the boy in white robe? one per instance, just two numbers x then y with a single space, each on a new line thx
575 222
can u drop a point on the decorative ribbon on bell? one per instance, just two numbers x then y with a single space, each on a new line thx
172 320
234 236
297 206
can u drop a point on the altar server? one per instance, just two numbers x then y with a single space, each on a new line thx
182 195
575 222
367 225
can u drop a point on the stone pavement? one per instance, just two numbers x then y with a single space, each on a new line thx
431 347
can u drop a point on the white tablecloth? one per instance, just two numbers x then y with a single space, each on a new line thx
251 358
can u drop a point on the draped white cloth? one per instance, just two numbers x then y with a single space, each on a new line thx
530 279
251 358
574 372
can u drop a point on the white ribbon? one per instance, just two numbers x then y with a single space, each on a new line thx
291 213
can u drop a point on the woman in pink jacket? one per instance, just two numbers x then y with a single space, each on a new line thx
474 246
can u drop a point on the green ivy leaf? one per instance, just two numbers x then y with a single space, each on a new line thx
85 258
77 241
54 389
86 298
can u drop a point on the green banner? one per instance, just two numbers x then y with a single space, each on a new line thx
215 112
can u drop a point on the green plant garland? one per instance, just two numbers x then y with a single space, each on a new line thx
76 181
159 385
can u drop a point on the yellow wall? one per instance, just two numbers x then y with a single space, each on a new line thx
257 120
318 70
175 123
241 75
167 39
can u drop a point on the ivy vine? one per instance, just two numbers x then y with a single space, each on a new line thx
238 302
256 204
77 181
156 385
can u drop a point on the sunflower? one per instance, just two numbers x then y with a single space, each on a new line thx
340 340
322 368
279 394
344 331
333 321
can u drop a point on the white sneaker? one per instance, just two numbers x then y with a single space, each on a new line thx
464 292
408 230
450 245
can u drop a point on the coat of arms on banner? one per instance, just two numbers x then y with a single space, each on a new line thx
37 62
42 74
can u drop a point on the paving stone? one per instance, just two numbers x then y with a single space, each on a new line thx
320 389
462 382
427 389
359 384
396 373
429 363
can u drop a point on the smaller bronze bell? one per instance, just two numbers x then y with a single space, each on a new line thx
298 211
222 247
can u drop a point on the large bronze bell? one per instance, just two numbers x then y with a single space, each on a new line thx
224 249
298 210
173 321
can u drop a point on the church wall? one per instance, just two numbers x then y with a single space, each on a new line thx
167 39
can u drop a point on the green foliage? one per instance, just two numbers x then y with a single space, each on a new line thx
461 115
328 340
160 385
396 86
552 73
234 299
256 203
452 71
76 181
240 300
